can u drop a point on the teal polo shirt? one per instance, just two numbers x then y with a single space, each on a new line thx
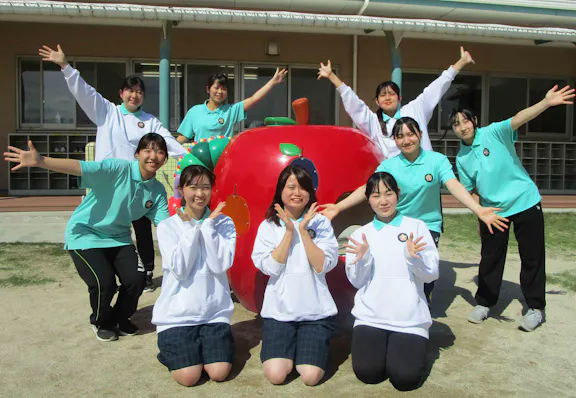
492 166
200 122
420 182
117 197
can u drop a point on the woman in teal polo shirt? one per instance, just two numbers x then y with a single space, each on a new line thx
214 117
420 175
98 235
488 164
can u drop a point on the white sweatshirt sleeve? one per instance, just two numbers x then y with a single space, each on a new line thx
220 243
425 266
91 102
360 113
326 241
264 245
175 150
359 274
179 248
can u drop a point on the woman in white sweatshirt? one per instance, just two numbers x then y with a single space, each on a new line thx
388 261
118 131
378 126
193 311
296 247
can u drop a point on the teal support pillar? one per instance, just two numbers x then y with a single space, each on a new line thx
165 46
395 58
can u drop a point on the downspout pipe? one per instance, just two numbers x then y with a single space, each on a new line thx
395 59
165 47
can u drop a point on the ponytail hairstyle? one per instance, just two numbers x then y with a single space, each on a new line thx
380 112
191 174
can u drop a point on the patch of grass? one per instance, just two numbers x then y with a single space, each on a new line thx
566 279
16 280
462 229
25 264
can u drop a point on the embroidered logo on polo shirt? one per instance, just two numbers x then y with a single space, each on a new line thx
312 233
428 177
402 237
148 204
486 152
220 120
141 125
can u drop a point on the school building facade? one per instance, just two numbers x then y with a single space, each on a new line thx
521 49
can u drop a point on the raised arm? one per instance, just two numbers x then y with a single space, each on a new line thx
91 102
554 97
32 158
264 90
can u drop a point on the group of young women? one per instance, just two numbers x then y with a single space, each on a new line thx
392 261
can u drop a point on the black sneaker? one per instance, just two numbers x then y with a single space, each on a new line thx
149 287
127 328
105 334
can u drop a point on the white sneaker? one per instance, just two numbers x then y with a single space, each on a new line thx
531 320
479 314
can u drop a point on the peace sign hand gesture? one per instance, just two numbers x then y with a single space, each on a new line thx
30 158
58 57
556 97
415 246
359 249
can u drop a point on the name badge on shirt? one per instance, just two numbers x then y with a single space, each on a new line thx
312 233
220 120
402 237
141 125
486 152
149 204
428 177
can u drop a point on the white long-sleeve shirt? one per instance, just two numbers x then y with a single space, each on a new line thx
390 282
195 258
420 109
295 291
118 131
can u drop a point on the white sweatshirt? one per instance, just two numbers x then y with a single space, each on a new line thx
195 258
118 133
420 109
295 291
390 282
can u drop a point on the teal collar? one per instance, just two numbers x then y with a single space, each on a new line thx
137 174
207 212
208 109
397 115
419 159
395 222
127 112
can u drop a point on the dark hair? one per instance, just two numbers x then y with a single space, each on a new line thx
193 173
379 112
407 121
373 184
132 81
221 78
468 114
154 141
304 179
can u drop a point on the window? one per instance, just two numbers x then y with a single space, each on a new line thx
508 96
321 95
150 73
276 103
45 100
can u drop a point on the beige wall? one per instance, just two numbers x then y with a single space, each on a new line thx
373 57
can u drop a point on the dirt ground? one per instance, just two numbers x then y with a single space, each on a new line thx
48 348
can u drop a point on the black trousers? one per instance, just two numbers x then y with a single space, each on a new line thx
529 231
429 287
378 354
98 269
144 242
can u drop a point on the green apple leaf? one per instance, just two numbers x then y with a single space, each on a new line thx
290 150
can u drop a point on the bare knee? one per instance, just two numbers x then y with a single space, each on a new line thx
187 376
218 371
277 369
310 374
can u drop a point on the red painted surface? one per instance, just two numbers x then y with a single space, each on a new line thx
250 166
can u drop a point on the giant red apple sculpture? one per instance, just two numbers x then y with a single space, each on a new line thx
339 159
